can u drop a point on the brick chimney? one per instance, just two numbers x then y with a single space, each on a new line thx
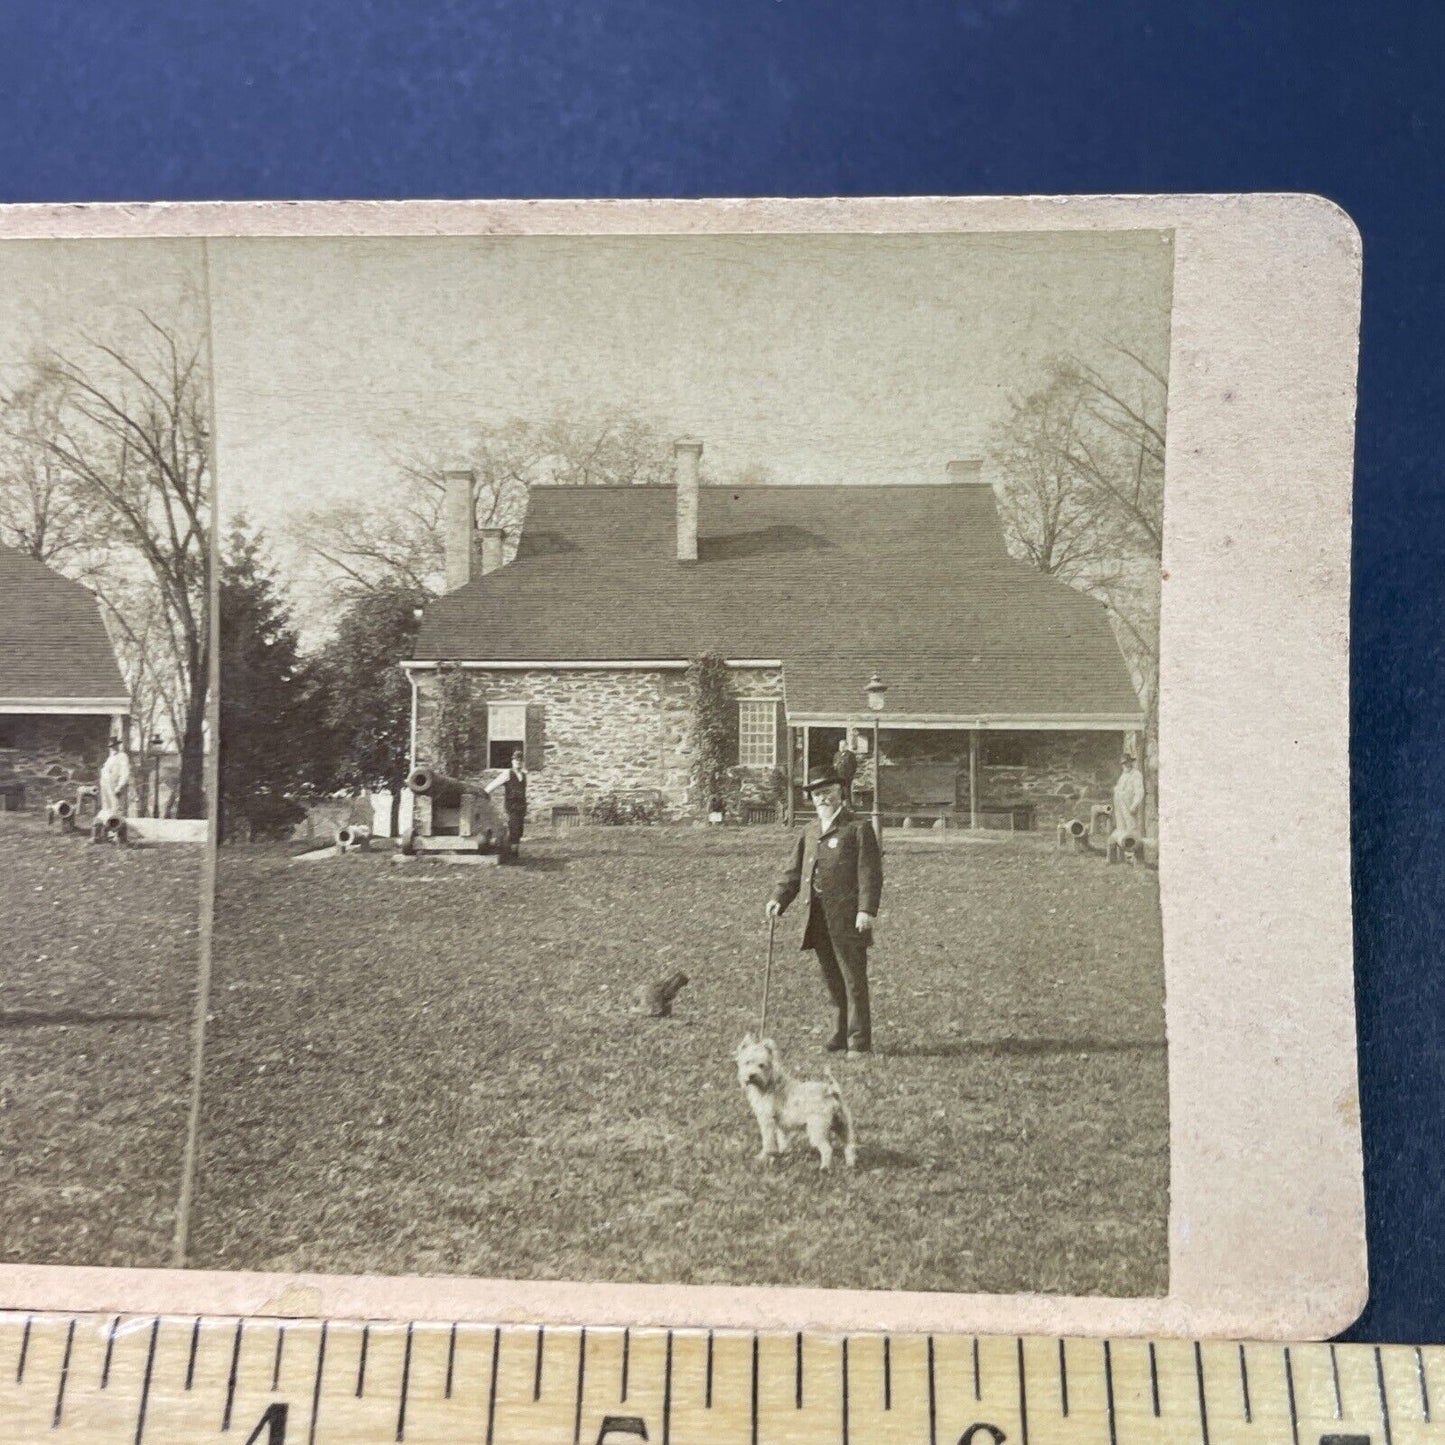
965 469
492 540
459 527
686 453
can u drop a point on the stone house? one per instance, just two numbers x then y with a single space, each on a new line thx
1007 698
61 693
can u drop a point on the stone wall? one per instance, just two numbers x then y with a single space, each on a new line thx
51 755
1059 773
604 730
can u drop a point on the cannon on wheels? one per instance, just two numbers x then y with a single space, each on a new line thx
1125 847
62 813
1074 833
353 838
453 817
109 827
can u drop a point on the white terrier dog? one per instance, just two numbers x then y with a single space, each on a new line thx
782 1104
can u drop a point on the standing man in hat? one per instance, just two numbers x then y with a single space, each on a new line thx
845 767
513 784
1129 799
836 865
115 781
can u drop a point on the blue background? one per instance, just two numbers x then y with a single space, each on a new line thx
102 100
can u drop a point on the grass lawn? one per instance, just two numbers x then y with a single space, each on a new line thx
96 995
431 1069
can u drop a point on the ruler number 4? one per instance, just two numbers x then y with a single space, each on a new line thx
270 1428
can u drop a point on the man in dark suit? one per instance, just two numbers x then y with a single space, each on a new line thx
845 766
513 786
836 865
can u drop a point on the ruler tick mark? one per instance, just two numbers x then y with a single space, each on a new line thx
977 1382
145 1389
1244 1386
626 1352
798 1371
492 1391
64 1376
276 1365
537 1369
1063 1379
361 1362
708 1401
1384 1402
1023 1396
932 1398
1289 1386
1424 1387
887 1374
845 1389
1154 1378
667 1387
191 1358
316 1388
754 1435
109 1352
581 1385
1335 1374
451 1360
1109 1392
1199 1380
231 1380
405 1387
24 1350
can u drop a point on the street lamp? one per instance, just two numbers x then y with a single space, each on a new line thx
157 747
875 689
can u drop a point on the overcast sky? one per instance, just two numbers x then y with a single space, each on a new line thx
825 359
843 359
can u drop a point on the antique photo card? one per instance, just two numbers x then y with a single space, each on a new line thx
774 763
105 506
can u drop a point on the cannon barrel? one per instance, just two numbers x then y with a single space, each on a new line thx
1077 828
354 836
64 810
445 792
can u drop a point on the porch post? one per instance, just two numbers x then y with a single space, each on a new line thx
807 735
973 778
788 770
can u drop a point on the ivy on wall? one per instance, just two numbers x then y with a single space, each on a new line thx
455 730
714 725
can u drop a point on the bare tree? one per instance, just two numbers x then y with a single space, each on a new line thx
131 432
394 544
42 510
1081 464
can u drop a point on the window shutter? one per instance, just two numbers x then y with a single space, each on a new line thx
780 745
536 738
734 750
481 729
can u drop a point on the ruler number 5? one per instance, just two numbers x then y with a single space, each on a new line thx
992 1432
273 1424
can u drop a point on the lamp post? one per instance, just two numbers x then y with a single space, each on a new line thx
875 689
157 746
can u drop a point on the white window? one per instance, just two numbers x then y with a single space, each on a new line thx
506 731
757 734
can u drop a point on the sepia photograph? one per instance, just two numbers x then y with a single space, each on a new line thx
105 616
734 762
688 761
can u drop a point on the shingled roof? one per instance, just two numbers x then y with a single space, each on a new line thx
831 581
53 644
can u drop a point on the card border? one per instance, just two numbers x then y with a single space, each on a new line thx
1266 1229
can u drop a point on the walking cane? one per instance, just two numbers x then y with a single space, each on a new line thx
767 978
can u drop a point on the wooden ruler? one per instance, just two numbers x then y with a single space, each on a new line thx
181 1381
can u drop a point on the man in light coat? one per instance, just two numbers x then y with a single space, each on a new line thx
115 781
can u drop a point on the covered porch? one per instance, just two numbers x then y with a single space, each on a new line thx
982 774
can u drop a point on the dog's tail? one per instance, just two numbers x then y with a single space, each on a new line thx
843 1119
